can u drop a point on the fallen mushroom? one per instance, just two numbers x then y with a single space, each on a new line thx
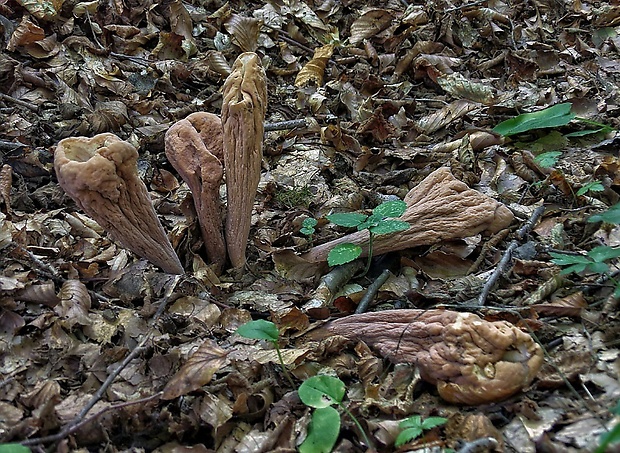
100 174
194 148
472 361
243 113
439 208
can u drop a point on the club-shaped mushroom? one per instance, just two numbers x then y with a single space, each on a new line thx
101 175
194 148
243 114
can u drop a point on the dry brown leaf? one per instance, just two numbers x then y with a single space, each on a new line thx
314 70
42 9
445 116
26 33
198 370
6 181
244 31
369 24
571 305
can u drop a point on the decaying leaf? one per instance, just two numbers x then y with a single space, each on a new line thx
6 182
369 24
197 371
313 71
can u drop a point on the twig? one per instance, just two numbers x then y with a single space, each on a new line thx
86 421
331 283
372 290
479 445
28 105
79 418
281 125
503 264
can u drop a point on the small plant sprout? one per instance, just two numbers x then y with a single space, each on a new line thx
610 437
307 226
548 159
592 186
13 448
596 260
379 222
322 392
265 330
413 427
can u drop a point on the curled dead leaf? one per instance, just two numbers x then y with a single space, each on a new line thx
244 31
369 24
197 371
313 71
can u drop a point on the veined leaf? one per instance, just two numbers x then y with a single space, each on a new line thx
558 115
259 330
548 159
323 431
347 219
604 253
390 226
563 259
343 253
394 208
612 215
321 391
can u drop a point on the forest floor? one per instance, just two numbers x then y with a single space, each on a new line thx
102 351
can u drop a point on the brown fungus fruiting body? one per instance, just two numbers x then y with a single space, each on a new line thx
243 113
101 175
194 148
439 208
472 361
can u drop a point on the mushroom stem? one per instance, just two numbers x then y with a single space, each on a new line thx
243 113
101 175
194 148
439 208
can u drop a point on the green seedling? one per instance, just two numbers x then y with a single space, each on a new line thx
265 330
413 427
555 116
548 159
321 393
307 226
596 260
377 223
13 448
592 186
610 437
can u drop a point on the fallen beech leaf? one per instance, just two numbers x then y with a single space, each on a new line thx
313 71
198 370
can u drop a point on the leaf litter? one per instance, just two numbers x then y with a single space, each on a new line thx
102 351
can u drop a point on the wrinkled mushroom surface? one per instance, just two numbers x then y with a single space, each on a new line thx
194 148
439 208
100 174
243 113
472 361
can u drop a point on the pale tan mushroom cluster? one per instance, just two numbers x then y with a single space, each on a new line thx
472 361
203 146
100 174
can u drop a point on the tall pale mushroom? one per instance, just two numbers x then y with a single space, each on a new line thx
243 113
101 175
194 148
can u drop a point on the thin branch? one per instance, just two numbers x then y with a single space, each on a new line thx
372 291
282 125
79 419
507 258
28 105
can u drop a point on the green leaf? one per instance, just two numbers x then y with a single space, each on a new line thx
259 330
549 159
394 208
321 391
13 448
371 221
347 219
612 215
608 438
343 253
562 259
390 226
432 422
592 186
307 226
604 253
414 421
558 115
616 409
585 132
323 431
407 435
598 268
